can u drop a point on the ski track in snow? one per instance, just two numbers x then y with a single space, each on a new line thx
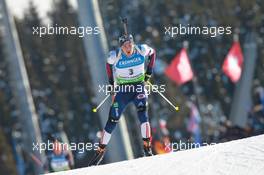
240 157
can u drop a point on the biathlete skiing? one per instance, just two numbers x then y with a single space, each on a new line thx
128 67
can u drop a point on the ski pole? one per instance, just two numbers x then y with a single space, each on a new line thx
124 21
102 102
165 98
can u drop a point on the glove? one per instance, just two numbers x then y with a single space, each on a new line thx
111 89
147 77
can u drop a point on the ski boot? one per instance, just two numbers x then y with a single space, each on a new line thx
98 156
147 147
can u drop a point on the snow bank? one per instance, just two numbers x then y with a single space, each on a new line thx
242 157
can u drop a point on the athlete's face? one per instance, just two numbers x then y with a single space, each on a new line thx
127 47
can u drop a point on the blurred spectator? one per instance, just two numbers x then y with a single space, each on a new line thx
60 158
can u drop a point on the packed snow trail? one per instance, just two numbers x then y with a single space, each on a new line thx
240 157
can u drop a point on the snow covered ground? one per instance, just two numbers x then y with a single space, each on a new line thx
240 157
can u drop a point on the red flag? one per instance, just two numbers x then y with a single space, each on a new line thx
232 65
180 69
